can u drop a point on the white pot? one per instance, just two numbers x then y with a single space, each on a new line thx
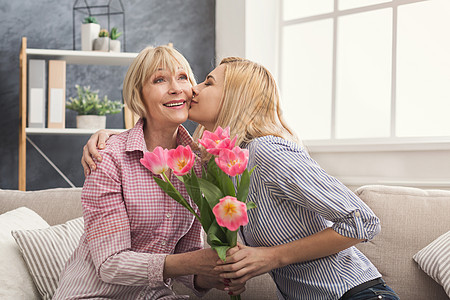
89 32
91 122
114 46
102 44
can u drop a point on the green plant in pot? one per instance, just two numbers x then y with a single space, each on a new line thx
91 109
115 44
107 41
89 32
115 34
103 33
90 19
102 42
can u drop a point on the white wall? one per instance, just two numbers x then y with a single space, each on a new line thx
249 28
230 28
416 164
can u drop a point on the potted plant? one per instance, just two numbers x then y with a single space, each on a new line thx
89 32
108 41
91 109
114 43
101 43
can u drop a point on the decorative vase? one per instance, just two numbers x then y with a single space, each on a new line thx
89 32
114 46
91 122
102 44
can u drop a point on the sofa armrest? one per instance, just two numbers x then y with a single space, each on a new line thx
411 218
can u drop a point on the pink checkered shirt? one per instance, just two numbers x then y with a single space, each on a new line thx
131 225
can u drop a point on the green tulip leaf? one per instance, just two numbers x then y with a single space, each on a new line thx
181 178
207 216
174 194
193 187
232 237
219 240
243 186
222 252
250 205
212 193
216 235
212 173
226 184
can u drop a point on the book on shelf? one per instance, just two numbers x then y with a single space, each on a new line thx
36 92
56 94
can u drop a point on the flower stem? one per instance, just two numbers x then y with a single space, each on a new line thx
182 201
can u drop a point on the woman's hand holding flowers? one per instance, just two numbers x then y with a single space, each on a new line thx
245 263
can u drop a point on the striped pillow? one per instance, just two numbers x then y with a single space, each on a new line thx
434 259
45 252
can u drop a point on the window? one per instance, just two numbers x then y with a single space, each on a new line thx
365 69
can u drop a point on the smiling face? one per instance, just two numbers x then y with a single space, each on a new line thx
158 87
207 98
166 96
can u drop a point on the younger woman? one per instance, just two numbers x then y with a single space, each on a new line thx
306 223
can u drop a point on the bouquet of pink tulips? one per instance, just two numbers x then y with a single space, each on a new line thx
222 204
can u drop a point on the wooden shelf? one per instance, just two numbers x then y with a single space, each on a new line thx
71 57
71 131
85 57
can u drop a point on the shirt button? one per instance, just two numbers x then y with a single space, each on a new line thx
168 216
163 243
357 214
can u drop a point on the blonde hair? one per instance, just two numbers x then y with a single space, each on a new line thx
250 103
142 68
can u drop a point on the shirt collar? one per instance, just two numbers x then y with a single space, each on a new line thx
136 141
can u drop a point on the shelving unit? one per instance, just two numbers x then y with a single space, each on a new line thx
84 57
71 57
50 131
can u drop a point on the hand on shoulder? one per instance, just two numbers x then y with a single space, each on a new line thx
90 150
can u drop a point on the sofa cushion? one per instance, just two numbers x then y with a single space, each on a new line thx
410 218
434 260
65 201
15 280
46 251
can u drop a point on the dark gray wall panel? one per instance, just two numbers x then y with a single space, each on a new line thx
47 24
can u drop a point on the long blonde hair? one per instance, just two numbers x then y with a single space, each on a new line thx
250 103
142 68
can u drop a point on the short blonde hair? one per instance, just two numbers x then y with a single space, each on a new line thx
142 68
250 103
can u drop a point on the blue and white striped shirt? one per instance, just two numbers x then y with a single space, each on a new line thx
295 198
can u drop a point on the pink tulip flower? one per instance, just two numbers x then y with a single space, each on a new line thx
156 161
217 140
231 213
233 162
181 160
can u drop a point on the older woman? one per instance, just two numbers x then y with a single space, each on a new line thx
136 237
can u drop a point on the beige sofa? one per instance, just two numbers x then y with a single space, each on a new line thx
411 219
